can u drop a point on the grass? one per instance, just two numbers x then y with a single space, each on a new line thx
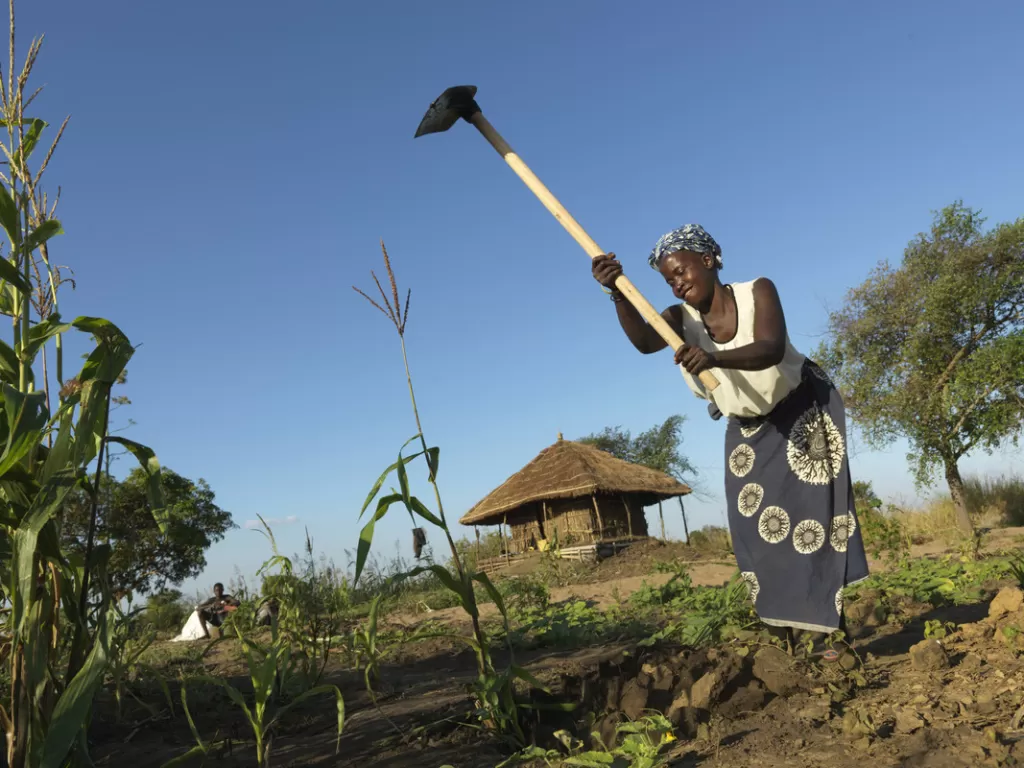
890 529
1000 498
712 539
677 612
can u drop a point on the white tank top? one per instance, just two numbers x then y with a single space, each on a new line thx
744 394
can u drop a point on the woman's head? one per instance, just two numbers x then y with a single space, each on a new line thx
689 259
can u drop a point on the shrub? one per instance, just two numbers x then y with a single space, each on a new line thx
525 594
884 535
711 538
167 611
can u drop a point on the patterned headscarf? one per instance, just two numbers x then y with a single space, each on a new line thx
690 237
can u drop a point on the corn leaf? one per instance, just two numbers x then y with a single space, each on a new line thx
366 535
151 466
60 453
527 677
186 759
339 703
384 475
42 333
45 504
112 352
372 620
488 585
9 271
72 711
403 481
26 418
9 370
445 577
11 222
420 509
37 237
89 429
433 454
188 717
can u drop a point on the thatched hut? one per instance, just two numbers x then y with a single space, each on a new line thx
577 494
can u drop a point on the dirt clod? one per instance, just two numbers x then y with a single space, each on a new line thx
633 701
978 631
701 697
908 721
779 672
1009 600
749 698
929 656
866 611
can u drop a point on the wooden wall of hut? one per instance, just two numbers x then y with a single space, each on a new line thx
525 529
574 522
621 517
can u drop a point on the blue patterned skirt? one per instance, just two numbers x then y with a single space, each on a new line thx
791 512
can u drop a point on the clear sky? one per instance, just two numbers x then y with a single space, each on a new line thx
230 167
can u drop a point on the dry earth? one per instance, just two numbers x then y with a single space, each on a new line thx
958 702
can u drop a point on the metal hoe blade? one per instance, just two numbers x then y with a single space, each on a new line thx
454 103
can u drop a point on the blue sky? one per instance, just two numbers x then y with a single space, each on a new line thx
230 167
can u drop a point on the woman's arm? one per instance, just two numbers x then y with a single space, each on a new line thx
639 332
767 349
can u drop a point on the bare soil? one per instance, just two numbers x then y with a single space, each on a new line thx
949 703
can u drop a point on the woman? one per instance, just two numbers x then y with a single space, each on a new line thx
787 480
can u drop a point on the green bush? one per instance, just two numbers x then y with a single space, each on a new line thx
884 536
525 594
882 533
712 538
167 611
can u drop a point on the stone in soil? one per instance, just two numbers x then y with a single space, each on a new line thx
1009 600
929 656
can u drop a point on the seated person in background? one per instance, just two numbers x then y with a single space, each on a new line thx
216 608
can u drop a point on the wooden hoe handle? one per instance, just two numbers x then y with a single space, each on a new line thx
649 313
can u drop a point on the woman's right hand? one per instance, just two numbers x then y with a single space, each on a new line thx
606 269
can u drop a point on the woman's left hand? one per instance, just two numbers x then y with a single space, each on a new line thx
695 359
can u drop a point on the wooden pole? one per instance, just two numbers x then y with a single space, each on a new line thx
629 516
600 524
477 529
507 546
661 517
686 528
592 249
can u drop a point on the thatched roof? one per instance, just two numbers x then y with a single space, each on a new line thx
568 470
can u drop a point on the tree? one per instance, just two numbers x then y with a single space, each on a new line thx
143 559
933 350
657 448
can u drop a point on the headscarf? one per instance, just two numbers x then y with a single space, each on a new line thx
690 237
